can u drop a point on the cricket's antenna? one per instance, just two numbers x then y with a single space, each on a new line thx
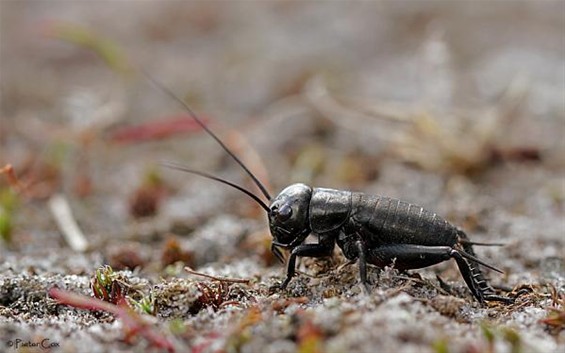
201 123
176 166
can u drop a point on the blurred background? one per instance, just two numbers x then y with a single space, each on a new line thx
334 94
456 106
453 106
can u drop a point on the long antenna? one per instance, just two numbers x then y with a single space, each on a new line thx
176 166
201 123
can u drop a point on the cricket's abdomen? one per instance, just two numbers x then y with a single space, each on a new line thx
383 220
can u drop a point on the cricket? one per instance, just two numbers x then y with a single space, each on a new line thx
369 229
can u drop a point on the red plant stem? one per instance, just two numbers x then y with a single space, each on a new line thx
155 130
12 178
133 322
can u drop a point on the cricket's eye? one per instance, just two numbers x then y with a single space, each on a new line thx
284 213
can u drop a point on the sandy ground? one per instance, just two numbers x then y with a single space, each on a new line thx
452 106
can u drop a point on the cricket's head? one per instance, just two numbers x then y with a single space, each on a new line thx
288 216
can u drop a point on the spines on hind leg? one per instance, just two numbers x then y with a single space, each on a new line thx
483 290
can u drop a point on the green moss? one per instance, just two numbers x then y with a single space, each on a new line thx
8 206
440 346
513 337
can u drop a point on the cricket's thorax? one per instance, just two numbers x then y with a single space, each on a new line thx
329 209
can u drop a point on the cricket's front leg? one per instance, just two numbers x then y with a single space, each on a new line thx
305 250
362 260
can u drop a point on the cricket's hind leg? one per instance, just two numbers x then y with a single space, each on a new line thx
409 256
473 275
476 281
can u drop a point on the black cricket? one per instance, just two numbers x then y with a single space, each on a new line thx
368 229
